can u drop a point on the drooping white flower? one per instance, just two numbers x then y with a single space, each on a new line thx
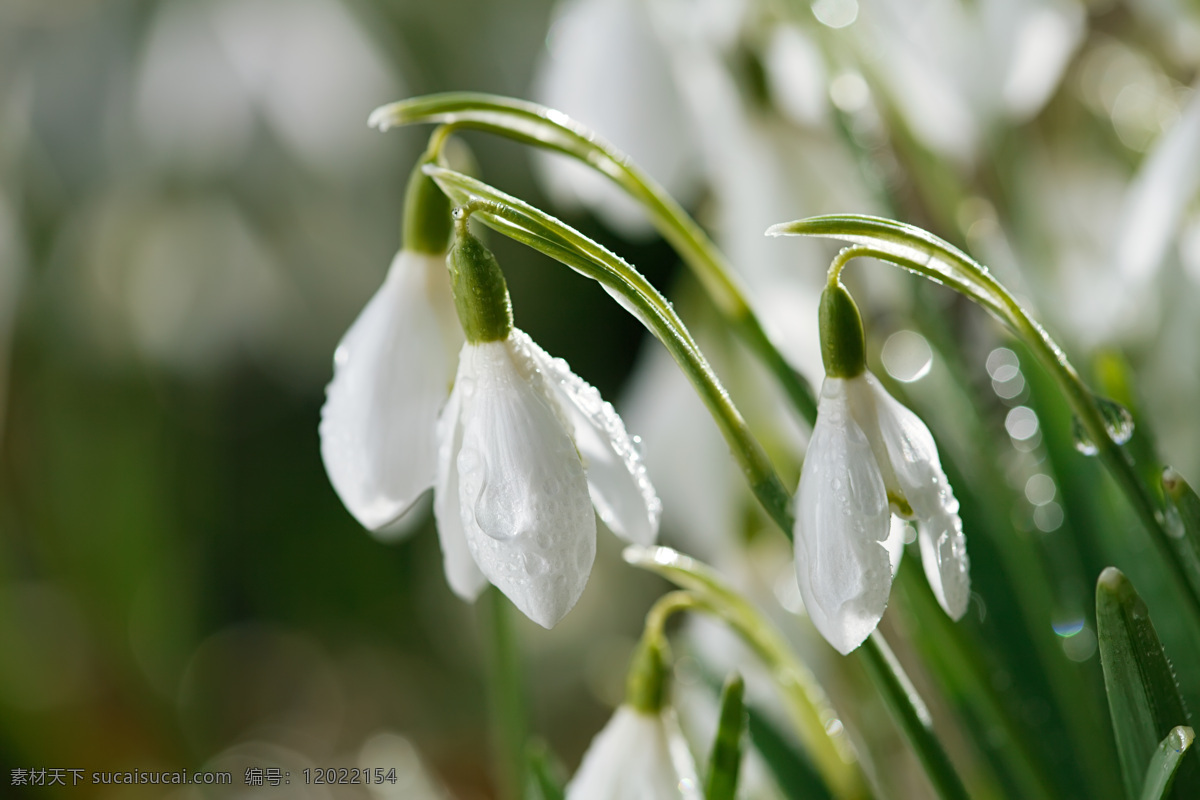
518 454
639 755
868 456
525 450
392 371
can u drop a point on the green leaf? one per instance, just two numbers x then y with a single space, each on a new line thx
545 773
1183 524
1166 762
1143 698
726 758
793 773
804 700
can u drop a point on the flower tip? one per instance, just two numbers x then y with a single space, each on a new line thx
778 229
850 635
546 610
380 118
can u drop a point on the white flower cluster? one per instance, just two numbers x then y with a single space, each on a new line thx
518 454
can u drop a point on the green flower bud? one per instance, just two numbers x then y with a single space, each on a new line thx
842 342
480 293
646 684
427 221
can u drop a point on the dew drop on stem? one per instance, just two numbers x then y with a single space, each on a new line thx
1118 424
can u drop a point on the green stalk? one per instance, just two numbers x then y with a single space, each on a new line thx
506 695
911 715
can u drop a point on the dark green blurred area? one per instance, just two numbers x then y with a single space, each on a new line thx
180 588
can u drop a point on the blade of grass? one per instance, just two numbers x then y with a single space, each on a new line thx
1143 697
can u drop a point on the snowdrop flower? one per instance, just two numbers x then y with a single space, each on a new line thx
518 454
392 371
641 753
867 453
525 450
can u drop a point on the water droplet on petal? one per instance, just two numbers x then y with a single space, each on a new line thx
468 461
497 512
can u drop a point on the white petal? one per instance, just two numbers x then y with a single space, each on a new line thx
842 563
523 496
631 99
462 573
914 459
616 476
391 373
1167 181
944 557
637 756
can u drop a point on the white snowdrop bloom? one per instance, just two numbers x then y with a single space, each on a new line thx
525 449
868 452
392 371
639 755
518 454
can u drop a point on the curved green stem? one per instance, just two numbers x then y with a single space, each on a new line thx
548 129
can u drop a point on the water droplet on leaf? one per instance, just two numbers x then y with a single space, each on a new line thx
1118 424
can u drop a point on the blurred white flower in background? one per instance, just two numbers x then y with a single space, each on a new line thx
190 281
605 67
639 755
305 67
954 70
